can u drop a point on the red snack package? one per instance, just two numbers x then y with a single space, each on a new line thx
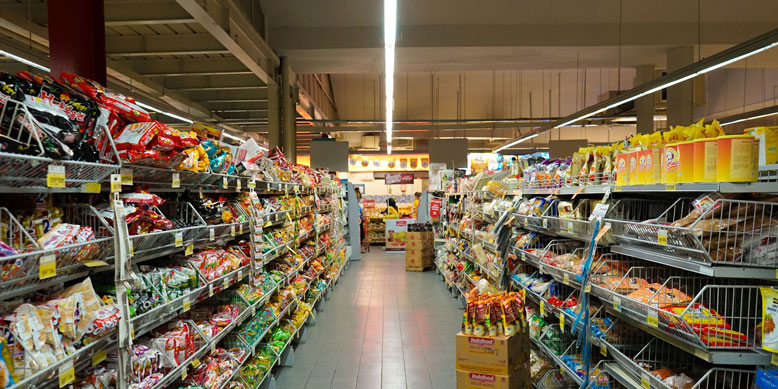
146 157
89 87
124 107
137 135
187 139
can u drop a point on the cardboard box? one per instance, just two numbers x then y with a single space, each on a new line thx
420 236
519 379
499 355
419 244
419 253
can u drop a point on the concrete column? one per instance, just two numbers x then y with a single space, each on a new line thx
273 116
77 38
644 106
288 109
680 96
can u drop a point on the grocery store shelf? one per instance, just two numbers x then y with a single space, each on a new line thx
557 360
622 376
722 187
691 265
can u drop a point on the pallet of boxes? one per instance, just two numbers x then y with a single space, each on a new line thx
419 247
493 348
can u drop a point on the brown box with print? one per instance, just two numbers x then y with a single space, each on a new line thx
499 355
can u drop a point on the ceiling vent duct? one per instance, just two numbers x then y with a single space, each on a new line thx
404 144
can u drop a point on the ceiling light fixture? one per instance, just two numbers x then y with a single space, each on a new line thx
736 53
390 35
24 61
528 137
174 116
756 114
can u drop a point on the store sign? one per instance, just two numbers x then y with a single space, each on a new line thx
392 179
435 208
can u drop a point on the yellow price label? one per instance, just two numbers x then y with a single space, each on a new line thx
179 239
570 227
132 333
225 183
66 374
588 288
56 176
617 304
566 279
652 319
240 229
210 290
195 363
774 359
132 249
237 185
95 263
213 348
47 267
189 250
187 304
116 183
645 382
603 350
661 237
252 184
91 187
226 283
545 223
183 374
562 321
98 357
176 180
211 234
617 188
126 174
232 230
542 308
670 187
240 274
526 222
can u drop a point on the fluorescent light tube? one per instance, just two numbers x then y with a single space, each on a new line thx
390 37
750 118
174 116
25 61
389 149
528 137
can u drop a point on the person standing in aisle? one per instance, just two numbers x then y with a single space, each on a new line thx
391 207
416 201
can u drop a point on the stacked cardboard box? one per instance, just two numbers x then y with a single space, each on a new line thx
419 250
494 362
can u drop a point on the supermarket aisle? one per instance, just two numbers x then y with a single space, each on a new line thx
382 327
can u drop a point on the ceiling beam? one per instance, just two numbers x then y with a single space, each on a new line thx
225 81
174 44
216 105
134 13
227 24
225 94
186 67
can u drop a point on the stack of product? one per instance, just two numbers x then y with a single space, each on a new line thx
419 253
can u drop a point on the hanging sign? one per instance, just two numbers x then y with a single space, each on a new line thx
435 208
392 179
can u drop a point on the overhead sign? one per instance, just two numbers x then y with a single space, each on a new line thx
392 179
435 208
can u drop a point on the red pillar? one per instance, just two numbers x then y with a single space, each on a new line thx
77 38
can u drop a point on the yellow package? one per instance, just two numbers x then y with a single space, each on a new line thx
655 140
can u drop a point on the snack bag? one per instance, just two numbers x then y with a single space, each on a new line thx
769 319
138 136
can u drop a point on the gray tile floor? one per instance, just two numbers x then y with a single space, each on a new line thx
382 327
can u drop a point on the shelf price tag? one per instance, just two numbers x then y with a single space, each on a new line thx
226 283
526 222
670 187
66 374
225 183
179 239
126 174
617 188
183 373
252 183
47 267
566 279
545 223
240 229
176 180
240 274
524 257
603 350
652 319
617 304
210 290
232 230
98 357
56 176
116 183
774 359
570 227
562 321
211 234
541 268
213 348
189 250
542 308
91 187
661 237
645 381
588 288
195 363
237 185
187 304
132 248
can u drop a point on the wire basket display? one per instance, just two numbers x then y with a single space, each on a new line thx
187 225
22 273
241 224
727 232
28 173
